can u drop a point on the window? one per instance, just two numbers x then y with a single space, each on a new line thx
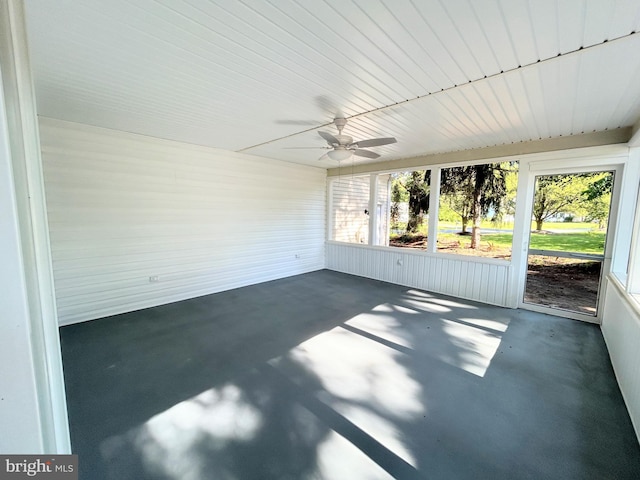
393 209
409 213
476 209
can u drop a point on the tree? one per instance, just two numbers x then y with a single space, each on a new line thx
418 188
398 195
598 198
598 209
461 202
414 188
476 189
559 193
601 184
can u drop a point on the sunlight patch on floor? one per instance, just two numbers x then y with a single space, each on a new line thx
365 381
169 444
354 368
474 348
500 325
387 327
417 294
424 306
338 459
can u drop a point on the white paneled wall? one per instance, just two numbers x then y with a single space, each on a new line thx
137 221
484 280
621 330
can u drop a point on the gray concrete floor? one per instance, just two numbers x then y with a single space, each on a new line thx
331 376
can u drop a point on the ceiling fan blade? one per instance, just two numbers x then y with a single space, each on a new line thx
329 138
306 148
324 157
365 153
375 142
303 123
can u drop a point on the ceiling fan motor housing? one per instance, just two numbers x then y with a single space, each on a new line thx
339 122
344 139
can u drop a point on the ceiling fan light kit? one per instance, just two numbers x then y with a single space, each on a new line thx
339 154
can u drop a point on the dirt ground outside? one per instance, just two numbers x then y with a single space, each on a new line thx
561 283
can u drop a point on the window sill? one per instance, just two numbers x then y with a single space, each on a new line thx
632 299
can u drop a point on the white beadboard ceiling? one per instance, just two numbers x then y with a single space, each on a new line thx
261 76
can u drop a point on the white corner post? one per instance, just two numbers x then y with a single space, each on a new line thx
373 207
434 207
33 414
521 228
630 193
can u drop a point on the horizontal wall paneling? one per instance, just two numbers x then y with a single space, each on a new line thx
124 209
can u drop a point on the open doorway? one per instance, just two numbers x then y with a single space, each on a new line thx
567 240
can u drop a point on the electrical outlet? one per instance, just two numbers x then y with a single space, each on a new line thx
154 278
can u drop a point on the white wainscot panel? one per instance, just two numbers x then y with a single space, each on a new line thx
480 279
621 330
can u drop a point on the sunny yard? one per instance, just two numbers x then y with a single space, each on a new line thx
567 237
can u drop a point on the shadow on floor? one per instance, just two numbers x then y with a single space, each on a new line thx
330 376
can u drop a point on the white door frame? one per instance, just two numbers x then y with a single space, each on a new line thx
34 413
614 161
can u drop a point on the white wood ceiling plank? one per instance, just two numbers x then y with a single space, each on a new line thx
543 16
420 18
448 38
253 48
466 120
571 24
474 37
597 22
484 105
387 30
614 79
534 89
518 128
625 18
343 21
491 94
435 121
516 17
584 102
490 16
279 71
430 120
524 104
326 62
554 76
352 87
430 54
146 70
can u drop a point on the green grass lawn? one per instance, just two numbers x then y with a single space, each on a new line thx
583 242
549 226
591 240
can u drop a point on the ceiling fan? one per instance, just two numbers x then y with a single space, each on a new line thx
342 146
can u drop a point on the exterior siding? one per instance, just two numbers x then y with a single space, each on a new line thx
621 330
350 198
124 208
483 280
